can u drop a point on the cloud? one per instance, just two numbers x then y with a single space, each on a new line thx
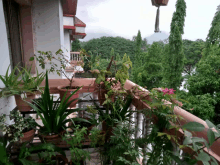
125 17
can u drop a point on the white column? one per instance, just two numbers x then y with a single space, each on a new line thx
146 132
132 119
139 121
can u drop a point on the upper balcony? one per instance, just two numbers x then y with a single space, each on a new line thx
75 25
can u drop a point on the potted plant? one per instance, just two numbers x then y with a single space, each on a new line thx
53 115
29 87
23 86
11 82
78 155
49 58
47 154
22 130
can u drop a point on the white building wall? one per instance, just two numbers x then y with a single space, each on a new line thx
67 44
6 104
80 29
61 25
47 28
68 21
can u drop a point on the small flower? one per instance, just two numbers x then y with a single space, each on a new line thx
165 91
168 91
171 91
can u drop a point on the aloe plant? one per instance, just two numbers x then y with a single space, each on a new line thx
30 82
11 82
53 114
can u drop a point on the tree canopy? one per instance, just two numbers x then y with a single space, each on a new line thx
102 46
175 57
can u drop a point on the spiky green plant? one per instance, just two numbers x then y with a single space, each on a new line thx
54 114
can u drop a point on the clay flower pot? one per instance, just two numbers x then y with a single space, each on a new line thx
60 159
55 139
28 136
21 104
63 90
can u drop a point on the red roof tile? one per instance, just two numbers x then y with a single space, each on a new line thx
78 22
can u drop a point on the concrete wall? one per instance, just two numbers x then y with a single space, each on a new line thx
80 29
67 43
47 27
68 21
6 104
61 25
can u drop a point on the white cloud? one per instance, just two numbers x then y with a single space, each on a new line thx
125 17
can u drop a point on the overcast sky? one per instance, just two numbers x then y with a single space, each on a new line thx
125 17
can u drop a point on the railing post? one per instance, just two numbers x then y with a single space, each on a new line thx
139 121
132 119
146 132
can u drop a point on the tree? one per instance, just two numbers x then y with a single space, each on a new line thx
175 57
103 46
150 74
206 80
138 44
76 45
214 32
204 84
193 53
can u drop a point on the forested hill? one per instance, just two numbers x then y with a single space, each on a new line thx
103 46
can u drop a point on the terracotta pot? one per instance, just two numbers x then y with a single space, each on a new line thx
63 144
55 139
60 159
69 92
21 104
160 2
28 136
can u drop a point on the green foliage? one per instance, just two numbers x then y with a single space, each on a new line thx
20 125
53 115
175 57
138 43
214 33
11 82
122 148
4 157
150 74
202 106
198 144
179 16
31 82
21 83
194 126
76 47
77 153
102 46
57 62
205 82
193 53
45 151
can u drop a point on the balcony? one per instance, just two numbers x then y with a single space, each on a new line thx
88 95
